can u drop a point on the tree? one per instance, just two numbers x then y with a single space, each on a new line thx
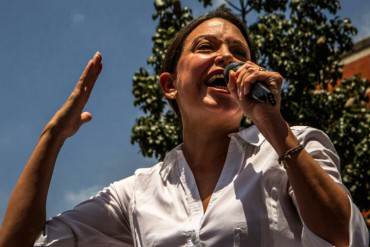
304 41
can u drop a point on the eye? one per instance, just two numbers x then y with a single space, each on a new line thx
204 47
240 53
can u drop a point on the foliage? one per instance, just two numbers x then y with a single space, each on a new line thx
304 41
158 130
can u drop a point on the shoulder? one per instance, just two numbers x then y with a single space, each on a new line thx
302 130
146 179
318 144
310 136
304 134
142 177
129 181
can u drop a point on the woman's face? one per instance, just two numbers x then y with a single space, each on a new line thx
206 51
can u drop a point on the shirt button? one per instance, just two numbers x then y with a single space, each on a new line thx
274 193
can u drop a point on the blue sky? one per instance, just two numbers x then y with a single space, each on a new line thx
44 45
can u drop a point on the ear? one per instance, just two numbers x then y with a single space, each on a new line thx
168 85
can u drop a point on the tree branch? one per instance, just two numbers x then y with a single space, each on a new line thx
233 5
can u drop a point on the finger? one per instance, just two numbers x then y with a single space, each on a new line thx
250 63
277 80
85 117
87 80
240 76
91 65
273 84
246 85
232 87
260 76
273 80
247 65
241 69
89 89
239 83
91 73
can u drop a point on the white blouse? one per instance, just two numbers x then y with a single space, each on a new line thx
252 204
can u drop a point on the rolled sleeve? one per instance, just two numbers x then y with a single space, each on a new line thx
100 221
56 234
319 146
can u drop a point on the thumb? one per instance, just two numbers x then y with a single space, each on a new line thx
85 117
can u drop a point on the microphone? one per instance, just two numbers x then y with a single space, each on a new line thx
259 92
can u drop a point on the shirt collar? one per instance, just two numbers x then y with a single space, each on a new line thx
169 161
249 135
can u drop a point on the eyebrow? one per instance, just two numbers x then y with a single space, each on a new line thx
204 36
233 42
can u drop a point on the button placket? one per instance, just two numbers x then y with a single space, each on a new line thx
238 232
192 239
194 203
234 157
234 163
272 203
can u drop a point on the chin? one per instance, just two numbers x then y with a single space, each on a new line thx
228 116
215 113
228 107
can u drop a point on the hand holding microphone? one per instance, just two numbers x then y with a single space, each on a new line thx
259 91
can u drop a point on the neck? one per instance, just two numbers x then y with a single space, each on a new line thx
204 149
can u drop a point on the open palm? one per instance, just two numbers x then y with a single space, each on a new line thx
68 119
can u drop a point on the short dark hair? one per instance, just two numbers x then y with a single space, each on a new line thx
175 49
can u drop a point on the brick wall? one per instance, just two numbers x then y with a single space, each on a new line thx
358 60
359 66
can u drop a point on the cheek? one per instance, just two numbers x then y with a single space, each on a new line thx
192 71
195 65
202 60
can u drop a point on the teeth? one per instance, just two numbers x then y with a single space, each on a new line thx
217 76
213 78
221 87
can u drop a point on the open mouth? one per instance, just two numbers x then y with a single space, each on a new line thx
217 81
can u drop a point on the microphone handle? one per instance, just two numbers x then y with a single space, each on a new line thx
259 91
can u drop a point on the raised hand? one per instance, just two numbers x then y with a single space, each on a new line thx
68 119
25 215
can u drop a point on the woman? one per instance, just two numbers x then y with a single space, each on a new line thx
220 187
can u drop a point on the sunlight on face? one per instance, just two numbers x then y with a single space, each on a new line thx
207 50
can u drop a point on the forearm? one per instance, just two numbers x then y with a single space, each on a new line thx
322 203
25 215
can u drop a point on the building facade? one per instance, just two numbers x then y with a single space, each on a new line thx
358 60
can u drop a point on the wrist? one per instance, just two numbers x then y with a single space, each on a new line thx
278 133
51 133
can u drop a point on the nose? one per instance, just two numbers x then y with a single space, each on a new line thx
223 58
